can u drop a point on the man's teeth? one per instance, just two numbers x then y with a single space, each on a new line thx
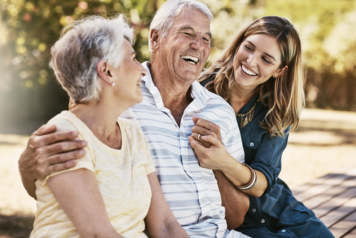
138 83
190 59
249 72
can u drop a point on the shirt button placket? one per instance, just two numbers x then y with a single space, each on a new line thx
263 221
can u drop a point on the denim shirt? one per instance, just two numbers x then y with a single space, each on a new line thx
264 153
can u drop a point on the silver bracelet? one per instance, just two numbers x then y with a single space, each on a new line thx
252 181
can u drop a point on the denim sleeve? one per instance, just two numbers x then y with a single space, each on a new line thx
268 157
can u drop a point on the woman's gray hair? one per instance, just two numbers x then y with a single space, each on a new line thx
163 19
82 44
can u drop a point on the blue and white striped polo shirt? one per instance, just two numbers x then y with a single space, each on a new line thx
190 190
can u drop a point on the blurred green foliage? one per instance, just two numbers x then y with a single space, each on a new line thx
28 29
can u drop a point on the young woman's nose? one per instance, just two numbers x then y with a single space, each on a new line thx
252 59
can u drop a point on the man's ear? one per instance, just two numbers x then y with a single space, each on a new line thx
154 39
103 70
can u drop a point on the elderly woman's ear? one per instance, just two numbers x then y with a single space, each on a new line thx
103 70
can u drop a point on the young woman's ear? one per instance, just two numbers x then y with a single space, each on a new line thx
280 72
154 39
102 68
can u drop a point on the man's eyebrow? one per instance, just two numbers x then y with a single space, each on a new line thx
264 52
191 28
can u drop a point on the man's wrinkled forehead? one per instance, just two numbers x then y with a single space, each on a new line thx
192 20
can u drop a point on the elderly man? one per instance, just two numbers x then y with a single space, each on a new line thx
180 44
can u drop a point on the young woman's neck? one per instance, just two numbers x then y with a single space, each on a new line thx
240 96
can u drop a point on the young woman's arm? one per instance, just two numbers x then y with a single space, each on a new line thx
160 220
77 192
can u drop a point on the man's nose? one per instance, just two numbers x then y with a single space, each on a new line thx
198 42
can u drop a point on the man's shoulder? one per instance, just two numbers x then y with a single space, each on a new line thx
209 95
214 101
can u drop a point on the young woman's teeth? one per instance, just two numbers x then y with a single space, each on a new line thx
138 83
249 72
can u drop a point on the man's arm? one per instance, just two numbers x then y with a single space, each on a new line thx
82 202
160 220
48 151
236 203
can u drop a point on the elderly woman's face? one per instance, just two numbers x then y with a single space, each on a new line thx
127 76
257 60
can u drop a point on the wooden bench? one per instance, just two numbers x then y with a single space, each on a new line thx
333 200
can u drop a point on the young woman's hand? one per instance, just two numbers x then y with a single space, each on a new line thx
215 156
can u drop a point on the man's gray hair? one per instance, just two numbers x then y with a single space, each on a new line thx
82 44
163 19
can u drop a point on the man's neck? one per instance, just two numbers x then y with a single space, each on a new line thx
176 95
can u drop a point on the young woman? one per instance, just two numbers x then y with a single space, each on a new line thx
113 188
260 75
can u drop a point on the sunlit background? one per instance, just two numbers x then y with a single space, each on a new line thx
30 95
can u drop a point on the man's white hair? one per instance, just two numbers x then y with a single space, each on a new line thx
163 19
82 44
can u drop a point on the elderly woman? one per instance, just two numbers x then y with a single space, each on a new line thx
260 74
114 187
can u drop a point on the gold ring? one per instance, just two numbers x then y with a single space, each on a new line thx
199 137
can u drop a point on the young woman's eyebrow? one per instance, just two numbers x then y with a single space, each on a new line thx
264 52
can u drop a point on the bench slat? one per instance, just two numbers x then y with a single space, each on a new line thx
344 226
352 234
333 217
321 199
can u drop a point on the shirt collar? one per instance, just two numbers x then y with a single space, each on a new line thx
198 92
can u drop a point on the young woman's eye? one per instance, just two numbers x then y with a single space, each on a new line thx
248 47
266 60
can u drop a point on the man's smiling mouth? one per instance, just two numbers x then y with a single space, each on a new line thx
190 59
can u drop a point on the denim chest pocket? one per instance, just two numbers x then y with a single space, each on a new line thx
250 140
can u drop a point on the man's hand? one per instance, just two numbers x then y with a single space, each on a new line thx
48 151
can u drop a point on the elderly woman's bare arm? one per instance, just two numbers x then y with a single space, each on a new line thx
77 192
160 220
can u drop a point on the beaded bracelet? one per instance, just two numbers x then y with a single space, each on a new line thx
252 181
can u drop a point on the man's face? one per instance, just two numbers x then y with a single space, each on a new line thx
186 47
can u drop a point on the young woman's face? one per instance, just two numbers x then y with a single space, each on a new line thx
257 59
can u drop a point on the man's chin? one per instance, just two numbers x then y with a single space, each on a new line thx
189 76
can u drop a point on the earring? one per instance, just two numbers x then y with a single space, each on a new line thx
113 83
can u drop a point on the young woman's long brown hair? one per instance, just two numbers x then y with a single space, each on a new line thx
283 95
